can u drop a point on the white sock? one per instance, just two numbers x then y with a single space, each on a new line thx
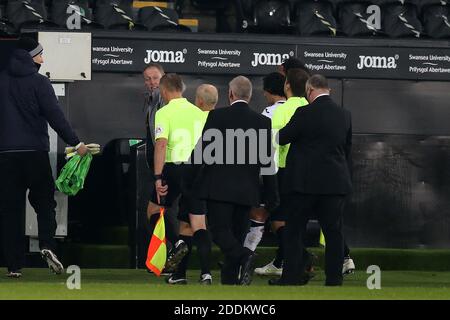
254 237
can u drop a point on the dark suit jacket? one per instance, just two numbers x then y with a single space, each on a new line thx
232 182
319 158
153 103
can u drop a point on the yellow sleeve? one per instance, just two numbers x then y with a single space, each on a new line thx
162 125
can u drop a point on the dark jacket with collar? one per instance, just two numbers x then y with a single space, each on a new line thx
319 158
233 182
27 105
153 102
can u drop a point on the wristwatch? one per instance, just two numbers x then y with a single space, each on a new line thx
158 177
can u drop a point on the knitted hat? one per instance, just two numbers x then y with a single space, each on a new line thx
30 45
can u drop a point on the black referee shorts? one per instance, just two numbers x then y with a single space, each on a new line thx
179 178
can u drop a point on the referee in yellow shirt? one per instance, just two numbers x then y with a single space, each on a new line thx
178 126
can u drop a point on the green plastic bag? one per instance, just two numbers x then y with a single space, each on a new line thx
73 174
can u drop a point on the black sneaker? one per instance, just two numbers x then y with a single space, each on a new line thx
246 270
206 279
14 274
173 279
175 256
280 282
52 260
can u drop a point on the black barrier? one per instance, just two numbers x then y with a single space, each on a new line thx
401 194
336 58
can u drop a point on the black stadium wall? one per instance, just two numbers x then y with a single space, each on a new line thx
397 90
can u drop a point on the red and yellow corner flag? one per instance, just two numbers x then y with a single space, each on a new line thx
157 250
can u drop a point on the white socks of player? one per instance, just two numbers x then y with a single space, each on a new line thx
254 235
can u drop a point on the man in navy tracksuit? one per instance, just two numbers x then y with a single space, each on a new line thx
27 105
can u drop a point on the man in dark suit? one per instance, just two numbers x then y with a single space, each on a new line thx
317 179
236 145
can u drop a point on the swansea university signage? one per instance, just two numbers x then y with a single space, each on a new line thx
377 62
117 55
211 57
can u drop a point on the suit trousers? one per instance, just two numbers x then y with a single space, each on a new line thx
229 224
21 171
328 209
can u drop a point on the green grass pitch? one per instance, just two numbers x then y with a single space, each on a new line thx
138 284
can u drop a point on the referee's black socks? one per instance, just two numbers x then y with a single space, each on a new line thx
202 240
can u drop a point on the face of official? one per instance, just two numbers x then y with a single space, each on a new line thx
152 76
38 59
312 93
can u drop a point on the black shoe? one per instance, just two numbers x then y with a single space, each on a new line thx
52 260
175 256
14 274
173 279
206 279
246 270
279 282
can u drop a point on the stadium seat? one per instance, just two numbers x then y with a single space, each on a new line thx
220 8
436 21
6 29
160 19
272 17
60 15
401 20
244 14
315 18
115 14
358 18
27 14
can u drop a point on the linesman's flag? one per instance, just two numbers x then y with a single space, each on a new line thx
322 239
157 250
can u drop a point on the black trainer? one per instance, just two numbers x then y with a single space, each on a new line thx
52 260
175 256
174 279
246 270
14 274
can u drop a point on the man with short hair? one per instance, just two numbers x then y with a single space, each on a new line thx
152 75
229 183
178 126
28 104
292 63
206 97
317 180
294 88
273 90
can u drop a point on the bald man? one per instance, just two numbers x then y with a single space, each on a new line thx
230 186
206 97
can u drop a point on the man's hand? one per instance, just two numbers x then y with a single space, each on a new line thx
161 190
82 150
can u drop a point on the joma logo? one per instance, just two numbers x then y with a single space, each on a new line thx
377 62
269 59
165 56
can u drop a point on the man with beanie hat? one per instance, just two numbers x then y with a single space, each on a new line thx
27 106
